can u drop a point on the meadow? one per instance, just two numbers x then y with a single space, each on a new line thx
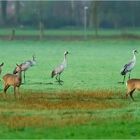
90 103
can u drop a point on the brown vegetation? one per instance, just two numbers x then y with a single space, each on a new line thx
51 109
66 100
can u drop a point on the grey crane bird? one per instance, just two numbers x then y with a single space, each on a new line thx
129 66
25 66
59 69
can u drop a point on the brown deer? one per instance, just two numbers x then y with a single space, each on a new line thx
132 85
14 80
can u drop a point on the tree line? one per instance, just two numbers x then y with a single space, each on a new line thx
68 14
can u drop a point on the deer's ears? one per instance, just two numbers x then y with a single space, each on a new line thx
18 65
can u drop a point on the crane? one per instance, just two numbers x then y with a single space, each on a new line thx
129 66
25 66
59 69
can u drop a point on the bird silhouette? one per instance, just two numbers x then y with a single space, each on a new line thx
25 66
1 67
59 69
127 68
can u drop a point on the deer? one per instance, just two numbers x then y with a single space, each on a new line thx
132 85
14 80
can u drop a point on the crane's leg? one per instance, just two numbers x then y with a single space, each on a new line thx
129 74
60 80
24 76
123 79
56 78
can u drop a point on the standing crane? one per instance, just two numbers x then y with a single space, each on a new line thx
129 66
25 66
59 69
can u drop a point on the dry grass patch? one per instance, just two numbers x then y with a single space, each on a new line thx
66 100
66 108
76 100
38 121
21 122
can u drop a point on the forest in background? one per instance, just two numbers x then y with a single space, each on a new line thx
70 14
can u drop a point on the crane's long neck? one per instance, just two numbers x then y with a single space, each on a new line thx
65 61
34 58
134 57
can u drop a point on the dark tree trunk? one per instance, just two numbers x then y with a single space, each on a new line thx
95 17
40 19
41 28
17 12
4 11
12 36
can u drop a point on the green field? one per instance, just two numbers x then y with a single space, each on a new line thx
90 103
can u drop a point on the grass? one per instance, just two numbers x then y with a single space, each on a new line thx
68 32
90 103
70 113
65 115
58 32
91 64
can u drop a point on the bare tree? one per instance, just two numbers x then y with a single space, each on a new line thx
17 12
41 29
93 17
40 19
12 36
72 8
4 11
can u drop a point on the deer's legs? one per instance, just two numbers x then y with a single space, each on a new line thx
130 93
19 93
15 92
5 89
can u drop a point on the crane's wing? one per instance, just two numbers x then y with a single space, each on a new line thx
30 62
127 67
57 70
